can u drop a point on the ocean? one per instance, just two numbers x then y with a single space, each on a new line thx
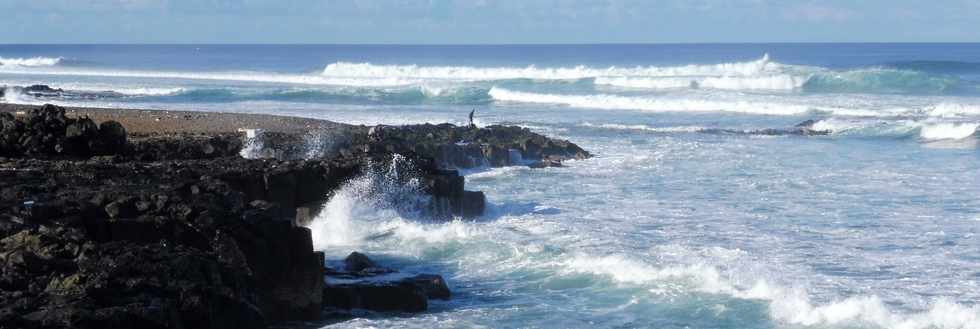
692 214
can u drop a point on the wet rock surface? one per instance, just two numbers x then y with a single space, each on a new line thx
448 146
362 284
462 147
100 228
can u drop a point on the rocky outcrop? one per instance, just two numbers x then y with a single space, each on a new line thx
448 146
174 242
46 131
462 147
362 284
104 229
48 92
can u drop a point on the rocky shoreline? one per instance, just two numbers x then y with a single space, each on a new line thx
151 219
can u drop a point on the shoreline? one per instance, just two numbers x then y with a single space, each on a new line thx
161 219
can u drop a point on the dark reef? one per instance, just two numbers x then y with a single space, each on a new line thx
100 228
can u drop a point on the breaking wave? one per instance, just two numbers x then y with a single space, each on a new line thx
762 74
942 131
788 305
383 193
769 82
928 131
424 94
883 81
30 62
656 104
764 106
372 71
344 95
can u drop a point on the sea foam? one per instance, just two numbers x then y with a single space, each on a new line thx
788 305
942 131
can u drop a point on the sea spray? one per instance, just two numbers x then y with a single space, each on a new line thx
316 144
384 191
254 144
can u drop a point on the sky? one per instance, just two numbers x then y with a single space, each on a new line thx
487 21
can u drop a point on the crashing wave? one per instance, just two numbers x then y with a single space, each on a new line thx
383 193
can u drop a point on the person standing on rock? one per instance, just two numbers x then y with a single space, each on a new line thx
472 125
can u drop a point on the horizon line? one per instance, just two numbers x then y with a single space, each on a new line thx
479 44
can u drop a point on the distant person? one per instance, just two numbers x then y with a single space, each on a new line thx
471 118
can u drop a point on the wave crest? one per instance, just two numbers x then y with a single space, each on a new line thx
374 71
942 131
928 131
654 104
30 62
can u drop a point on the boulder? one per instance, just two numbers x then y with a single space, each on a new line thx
356 262
111 139
433 285
474 203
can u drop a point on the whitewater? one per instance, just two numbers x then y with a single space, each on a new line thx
705 206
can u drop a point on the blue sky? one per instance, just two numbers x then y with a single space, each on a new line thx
486 21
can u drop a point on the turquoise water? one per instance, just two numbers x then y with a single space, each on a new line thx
680 221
